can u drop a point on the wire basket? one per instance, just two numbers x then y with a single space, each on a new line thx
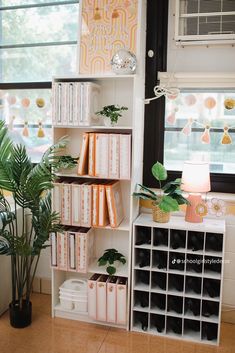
159 215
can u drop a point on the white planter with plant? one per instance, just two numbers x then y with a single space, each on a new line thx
111 114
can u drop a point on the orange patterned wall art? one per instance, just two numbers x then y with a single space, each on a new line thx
107 26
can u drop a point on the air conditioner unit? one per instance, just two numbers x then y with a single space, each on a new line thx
205 22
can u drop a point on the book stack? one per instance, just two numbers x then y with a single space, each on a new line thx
88 203
105 155
75 103
73 249
107 298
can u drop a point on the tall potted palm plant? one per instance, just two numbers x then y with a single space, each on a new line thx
30 186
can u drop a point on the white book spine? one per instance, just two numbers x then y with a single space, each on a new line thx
70 103
82 251
101 205
82 98
56 198
77 102
94 203
66 209
63 251
114 156
53 249
72 258
110 208
102 155
59 104
76 210
125 156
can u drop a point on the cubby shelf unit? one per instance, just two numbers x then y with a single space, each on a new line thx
158 302
115 89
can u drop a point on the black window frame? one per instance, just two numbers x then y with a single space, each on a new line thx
156 40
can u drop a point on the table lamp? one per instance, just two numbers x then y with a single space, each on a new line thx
195 180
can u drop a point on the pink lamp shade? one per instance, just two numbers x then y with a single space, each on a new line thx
196 177
195 180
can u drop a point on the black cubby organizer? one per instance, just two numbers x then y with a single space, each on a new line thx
177 278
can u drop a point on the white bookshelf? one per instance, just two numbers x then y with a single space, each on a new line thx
159 290
123 90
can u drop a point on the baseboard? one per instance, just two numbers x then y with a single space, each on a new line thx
42 285
228 314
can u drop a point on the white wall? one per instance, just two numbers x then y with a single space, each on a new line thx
197 58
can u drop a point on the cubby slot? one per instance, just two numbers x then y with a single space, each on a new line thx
159 259
157 323
194 263
192 329
175 282
195 241
177 239
174 304
160 237
158 301
141 299
214 242
158 280
176 261
209 331
192 307
193 285
142 236
142 279
210 309
140 320
173 325
212 265
142 258
211 288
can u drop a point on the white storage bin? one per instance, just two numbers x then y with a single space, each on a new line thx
74 287
80 305
66 303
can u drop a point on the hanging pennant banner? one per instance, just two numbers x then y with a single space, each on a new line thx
188 127
41 132
226 138
25 131
205 138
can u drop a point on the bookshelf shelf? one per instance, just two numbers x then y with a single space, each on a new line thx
75 175
185 300
123 90
110 129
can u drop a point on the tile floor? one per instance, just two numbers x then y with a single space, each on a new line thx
49 335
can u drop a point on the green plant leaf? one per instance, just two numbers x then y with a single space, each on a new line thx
159 172
102 262
168 204
148 190
111 270
122 260
144 196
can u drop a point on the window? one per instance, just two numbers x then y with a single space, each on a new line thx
27 113
205 20
163 141
200 124
38 41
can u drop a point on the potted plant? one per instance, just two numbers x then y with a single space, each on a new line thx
167 199
111 259
111 114
30 186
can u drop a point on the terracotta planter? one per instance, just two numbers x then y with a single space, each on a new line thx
160 216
